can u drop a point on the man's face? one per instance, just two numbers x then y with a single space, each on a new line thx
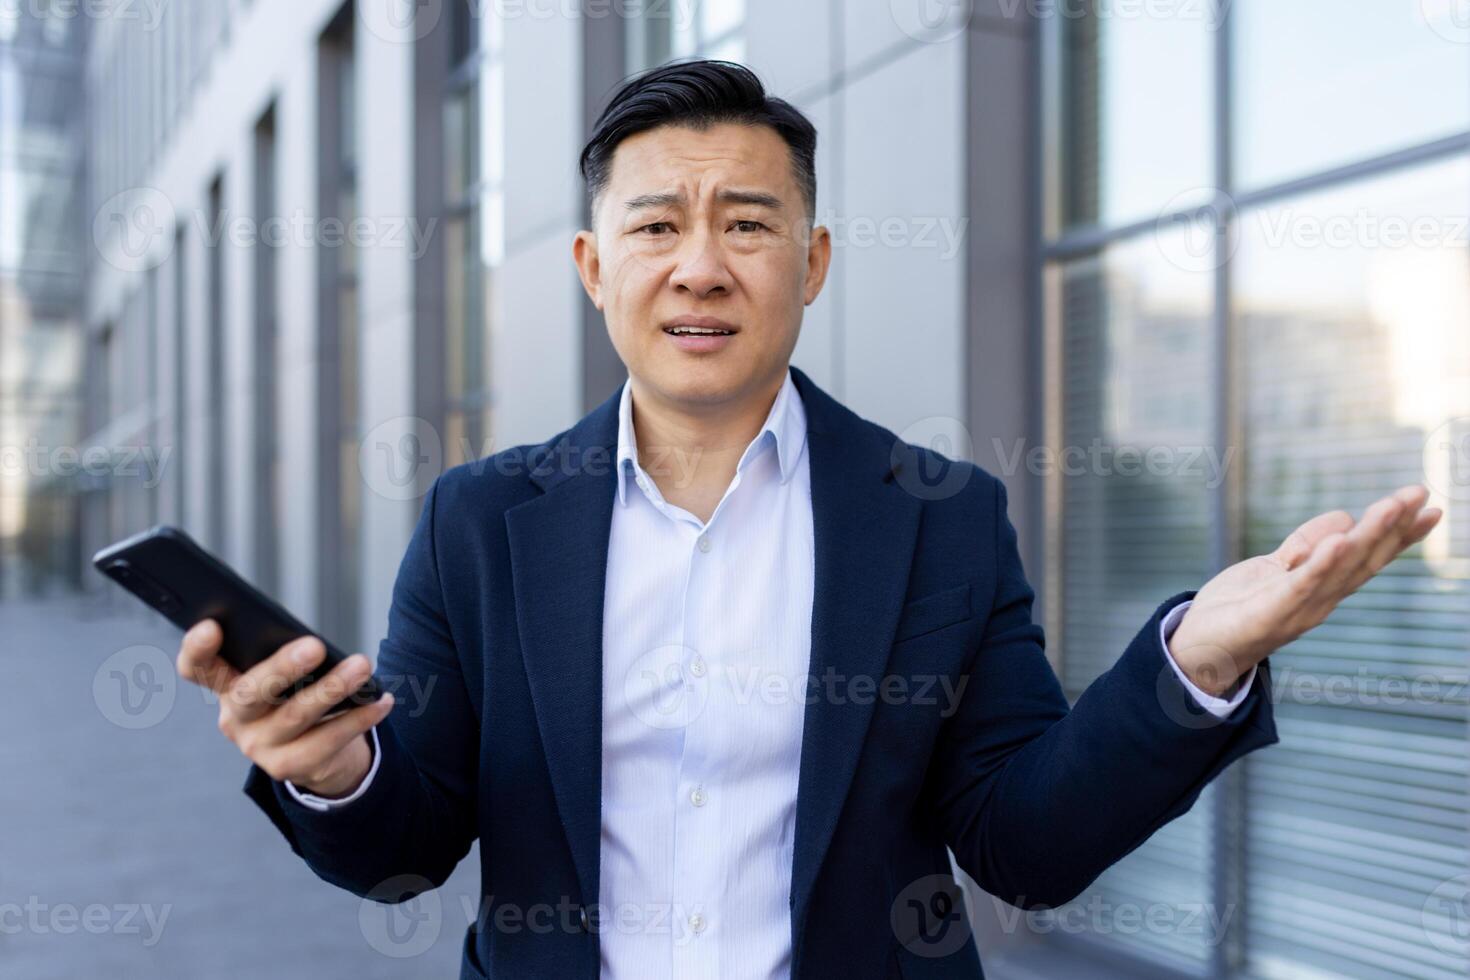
709 227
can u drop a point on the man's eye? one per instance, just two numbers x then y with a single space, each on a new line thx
656 227
749 226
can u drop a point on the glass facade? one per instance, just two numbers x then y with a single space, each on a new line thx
1255 268
42 346
474 209
340 485
660 30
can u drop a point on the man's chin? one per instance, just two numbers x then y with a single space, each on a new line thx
698 386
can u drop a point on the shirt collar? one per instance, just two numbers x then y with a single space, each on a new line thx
785 426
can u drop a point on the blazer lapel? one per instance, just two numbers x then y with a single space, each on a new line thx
865 526
558 549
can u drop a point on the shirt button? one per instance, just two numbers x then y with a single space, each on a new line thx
696 666
704 545
697 797
696 922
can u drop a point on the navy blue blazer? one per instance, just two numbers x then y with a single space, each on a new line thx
497 614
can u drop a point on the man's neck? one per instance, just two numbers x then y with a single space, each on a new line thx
691 454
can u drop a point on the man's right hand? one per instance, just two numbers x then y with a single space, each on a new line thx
282 734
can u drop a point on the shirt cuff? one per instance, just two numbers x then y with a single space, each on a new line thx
1219 707
322 804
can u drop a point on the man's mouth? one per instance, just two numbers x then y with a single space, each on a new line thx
697 332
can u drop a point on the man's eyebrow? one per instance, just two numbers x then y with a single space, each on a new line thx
664 199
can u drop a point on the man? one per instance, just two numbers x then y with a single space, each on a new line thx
712 685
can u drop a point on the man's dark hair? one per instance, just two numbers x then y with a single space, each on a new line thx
699 94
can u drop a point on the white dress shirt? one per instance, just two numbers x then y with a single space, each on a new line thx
706 647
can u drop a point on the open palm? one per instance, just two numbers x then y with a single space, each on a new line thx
1256 606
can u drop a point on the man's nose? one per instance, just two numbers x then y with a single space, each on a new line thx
700 265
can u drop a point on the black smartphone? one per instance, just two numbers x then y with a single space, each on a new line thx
169 571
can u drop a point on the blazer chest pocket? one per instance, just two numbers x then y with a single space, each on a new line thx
933 612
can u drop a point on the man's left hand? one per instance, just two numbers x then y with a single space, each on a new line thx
1261 604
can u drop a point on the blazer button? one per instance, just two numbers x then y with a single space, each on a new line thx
586 926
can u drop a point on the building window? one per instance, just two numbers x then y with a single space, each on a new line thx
215 490
474 176
340 484
662 30
267 502
1233 282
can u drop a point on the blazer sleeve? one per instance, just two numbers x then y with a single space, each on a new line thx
417 819
1036 800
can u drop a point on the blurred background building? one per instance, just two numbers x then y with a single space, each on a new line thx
1182 273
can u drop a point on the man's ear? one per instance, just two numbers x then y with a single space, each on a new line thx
589 265
818 260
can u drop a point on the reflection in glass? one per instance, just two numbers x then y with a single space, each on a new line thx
1135 478
1355 360
1132 131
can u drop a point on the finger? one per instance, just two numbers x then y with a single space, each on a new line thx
1299 543
305 708
1305 585
1411 527
1423 524
199 660
1413 499
260 689
316 747
1376 526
